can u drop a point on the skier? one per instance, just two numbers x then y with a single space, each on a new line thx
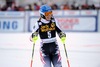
47 27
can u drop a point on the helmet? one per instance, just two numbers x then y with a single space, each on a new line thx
45 8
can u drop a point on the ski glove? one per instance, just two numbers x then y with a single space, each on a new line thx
62 37
34 37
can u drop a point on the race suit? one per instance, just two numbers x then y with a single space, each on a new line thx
49 50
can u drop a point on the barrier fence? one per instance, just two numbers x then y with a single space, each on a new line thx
69 20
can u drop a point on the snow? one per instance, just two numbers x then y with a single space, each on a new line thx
83 50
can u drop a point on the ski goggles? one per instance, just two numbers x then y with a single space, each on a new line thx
48 13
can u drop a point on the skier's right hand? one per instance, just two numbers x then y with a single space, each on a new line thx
63 39
34 39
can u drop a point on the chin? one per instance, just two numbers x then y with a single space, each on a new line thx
48 19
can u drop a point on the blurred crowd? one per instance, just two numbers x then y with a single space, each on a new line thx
36 6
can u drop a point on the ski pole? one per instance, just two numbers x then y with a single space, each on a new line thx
32 55
66 55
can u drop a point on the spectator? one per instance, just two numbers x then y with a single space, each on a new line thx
36 7
65 7
97 6
92 6
85 6
75 6
20 8
4 8
13 7
54 7
9 9
28 7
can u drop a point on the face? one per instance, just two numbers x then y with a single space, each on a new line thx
48 15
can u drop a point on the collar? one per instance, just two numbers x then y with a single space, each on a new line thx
44 21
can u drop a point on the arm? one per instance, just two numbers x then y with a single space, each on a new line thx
61 34
34 35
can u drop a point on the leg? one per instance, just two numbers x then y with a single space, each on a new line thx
55 55
44 54
45 60
56 60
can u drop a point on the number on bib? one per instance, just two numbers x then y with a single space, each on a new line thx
49 34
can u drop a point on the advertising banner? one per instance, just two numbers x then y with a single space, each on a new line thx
12 21
11 25
71 13
89 12
77 23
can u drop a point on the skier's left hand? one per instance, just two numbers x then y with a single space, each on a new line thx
63 39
